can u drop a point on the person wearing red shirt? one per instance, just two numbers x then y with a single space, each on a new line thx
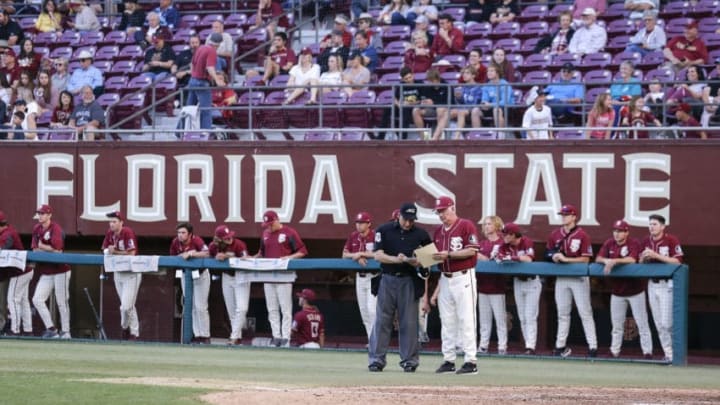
449 39
686 50
359 247
202 73
16 284
661 247
279 241
271 15
121 240
491 288
419 57
685 119
308 326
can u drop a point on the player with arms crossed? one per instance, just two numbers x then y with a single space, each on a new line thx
661 247
308 327
621 249
121 240
358 247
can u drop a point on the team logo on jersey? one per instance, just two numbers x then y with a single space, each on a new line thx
378 238
282 238
369 246
494 252
574 245
664 250
121 245
624 251
456 243
46 236
473 239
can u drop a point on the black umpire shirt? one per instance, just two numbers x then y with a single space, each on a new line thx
393 240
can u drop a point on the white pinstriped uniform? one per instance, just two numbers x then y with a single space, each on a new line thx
127 283
19 303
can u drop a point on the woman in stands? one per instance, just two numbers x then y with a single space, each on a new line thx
496 95
270 15
419 57
24 87
60 78
333 77
425 8
601 115
636 115
43 91
507 70
61 114
50 19
690 92
395 13
85 17
468 95
28 58
505 11
306 73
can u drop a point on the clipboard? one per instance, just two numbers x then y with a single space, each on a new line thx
424 255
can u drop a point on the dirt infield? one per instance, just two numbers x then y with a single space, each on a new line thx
233 392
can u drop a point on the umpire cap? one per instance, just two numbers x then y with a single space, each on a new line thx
408 211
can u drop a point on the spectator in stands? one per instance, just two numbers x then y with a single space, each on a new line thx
565 94
690 92
468 95
279 61
419 56
475 61
360 7
496 96
60 76
405 99
305 73
655 98
369 54
341 24
537 119
479 10
31 110
648 39
169 15
203 73
505 11
25 86
271 16
133 18
183 62
28 58
423 8
8 5
507 70
88 116
395 13
62 112
336 47
9 29
435 101
333 76
10 68
5 94
557 42
638 8
686 50
590 37
356 76
711 97
365 24
449 39
43 93
144 37
634 115
85 18
580 5
626 85
225 50
422 25
49 20
683 113
16 125
601 115
223 97
160 58
86 74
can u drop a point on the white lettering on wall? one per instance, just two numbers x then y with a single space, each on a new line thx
423 163
234 201
637 189
283 164
489 163
201 191
540 168
46 187
90 210
588 163
156 211
326 172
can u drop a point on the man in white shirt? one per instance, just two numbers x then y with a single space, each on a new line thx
538 118
650 38
589 37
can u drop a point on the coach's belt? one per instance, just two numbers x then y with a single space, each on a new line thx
450 274
398 274
658 279
526 278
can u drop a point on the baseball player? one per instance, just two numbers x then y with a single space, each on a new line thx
358 247
308 327
570 244
621 249
526 288
187 245
121 240
279 241
19 280
661 247
457 243
235 293
48 236
491 289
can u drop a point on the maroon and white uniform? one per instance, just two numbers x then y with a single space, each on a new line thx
660 291
236 293
127 283
576 243
526 289
53 277
491 300
458 293
18 302
201 286
308 325
278 296
626 291
367 302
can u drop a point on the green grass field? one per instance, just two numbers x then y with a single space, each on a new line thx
42 372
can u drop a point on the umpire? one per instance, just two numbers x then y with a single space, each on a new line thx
400 289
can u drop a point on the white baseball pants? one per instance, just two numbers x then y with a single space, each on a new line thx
492 306
660 295
278 297
567 288
456 302
4 302
19 303
200 314
127 285
60 283
367 303
618 313
527 300
237 298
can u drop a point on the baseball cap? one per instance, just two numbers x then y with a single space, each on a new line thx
568 66
589 11
692 24
269 217
408 211
363 217
115 214
9 52
621 225
369 18
443 202
307 294
568 209
44 209
511 228
340 19
223 232
395 214
306 51
684 107
650 14
216 38
3 218
85 54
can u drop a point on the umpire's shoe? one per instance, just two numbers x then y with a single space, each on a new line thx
375 368
446 367
468 368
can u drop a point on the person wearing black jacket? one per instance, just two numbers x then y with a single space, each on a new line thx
557 42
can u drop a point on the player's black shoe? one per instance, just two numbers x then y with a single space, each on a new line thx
375 368
562 351
446 367
468 368
592 353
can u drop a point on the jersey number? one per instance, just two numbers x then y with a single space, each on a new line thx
314 329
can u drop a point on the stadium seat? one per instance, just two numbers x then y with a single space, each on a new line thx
331 111
91 37
484 44
357 109
533 12
391 64
189 20
236 20
535 61
383 102
598 77
634 57
319 135
505 30
533 29
595 60
712 41
510 45
652 60
480 135
272 114
208 19
62 136
280 81
69 37
620 27
65 52
662 74
558 9
707 7
350 134
539 77
675 9
76 52
395 33
637 73
528 46
235 32
615 11
131 52
108 98
451 77
118 38
122 67
458 61
457 13
570 135
477 31
617 43
115 84
195 136
45 38
137 83
393 48
204 33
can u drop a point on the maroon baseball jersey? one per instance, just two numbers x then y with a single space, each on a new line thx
238 247
512 253
308 325
195 243
623 286
462 234
574 244
283 57
490 283
124 240
358 243
668 246
10 240
283 242
55 237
